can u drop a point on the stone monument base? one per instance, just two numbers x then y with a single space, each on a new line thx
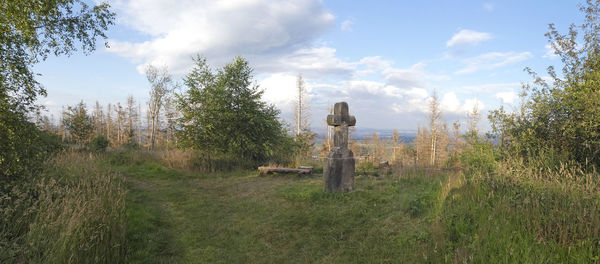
339 170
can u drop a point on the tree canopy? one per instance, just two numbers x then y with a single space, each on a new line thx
30 30
223 114
560 117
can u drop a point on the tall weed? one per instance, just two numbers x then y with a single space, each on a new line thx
74 212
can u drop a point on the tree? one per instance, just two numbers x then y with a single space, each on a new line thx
560 117
29 32
301 108
78 123
223 114
171 116
161 83
98 117
473 119
438 131
302 134
132 120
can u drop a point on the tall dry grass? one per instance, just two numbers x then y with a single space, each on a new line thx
75 213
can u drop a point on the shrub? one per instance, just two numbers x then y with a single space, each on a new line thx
479 157
99 143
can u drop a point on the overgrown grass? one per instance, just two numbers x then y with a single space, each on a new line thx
519 214
511 214
77 211
74 212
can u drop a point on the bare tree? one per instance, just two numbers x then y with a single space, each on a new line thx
435 118
473 119
301 108
171 115
109 124
120 125
162 84
456 137
132 120
395 145
98 117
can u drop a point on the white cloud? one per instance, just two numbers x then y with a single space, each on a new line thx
347 25
468 37
492 60
49 103
507 97
549 52
376 62
219 30
492 87
311 62
279 89
413 77
451 104
470 104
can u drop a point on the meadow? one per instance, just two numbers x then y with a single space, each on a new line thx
156 212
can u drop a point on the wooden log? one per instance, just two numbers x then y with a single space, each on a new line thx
270 170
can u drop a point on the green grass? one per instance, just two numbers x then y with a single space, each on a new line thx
72 212
241 217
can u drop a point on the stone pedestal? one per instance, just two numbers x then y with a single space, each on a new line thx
339 170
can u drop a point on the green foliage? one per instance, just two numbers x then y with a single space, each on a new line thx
365 168
560 118
223 115
30 30
78 123
99 143
478 157
23 147
305 143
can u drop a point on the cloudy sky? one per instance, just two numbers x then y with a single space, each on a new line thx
385 58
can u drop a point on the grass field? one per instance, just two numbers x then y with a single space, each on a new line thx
241 217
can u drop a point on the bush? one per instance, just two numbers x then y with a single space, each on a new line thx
479 157
23 147
99 143
365 168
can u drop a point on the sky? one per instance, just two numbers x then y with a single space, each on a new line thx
385 58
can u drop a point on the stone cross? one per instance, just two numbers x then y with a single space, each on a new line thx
339 166
341 120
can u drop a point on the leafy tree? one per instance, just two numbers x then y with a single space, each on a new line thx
23 147
79 123
223 114
560 118
30 30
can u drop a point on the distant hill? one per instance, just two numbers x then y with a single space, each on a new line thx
407 136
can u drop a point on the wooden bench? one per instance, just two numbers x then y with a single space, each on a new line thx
300 170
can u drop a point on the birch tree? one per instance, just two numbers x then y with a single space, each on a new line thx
161 85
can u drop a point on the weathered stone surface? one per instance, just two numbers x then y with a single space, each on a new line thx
339 165
339 170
